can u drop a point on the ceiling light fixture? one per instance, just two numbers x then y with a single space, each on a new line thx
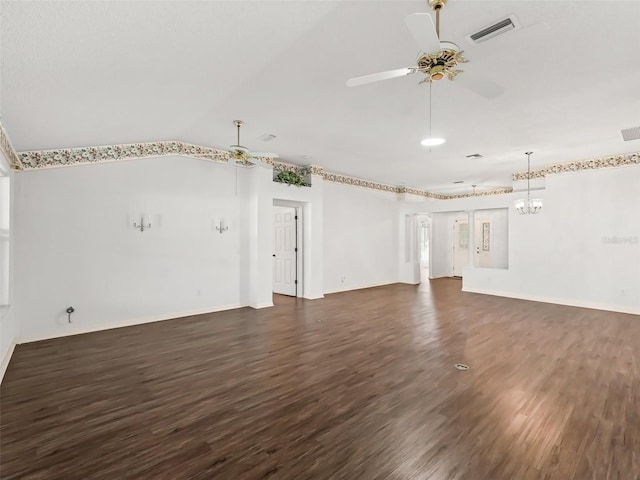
530 205
431 141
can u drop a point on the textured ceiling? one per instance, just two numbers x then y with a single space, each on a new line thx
96 73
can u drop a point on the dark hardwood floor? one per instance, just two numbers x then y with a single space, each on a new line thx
359 385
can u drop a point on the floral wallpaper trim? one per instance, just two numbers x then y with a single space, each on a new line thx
452 196
346 180
358 182
8 150
109 153
76 156
604 162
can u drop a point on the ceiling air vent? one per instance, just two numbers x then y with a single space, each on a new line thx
474 155
631 134
459 181
492 31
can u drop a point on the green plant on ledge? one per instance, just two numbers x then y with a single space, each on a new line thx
290 178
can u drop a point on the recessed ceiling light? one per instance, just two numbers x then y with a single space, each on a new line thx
267 137
432 141
474 155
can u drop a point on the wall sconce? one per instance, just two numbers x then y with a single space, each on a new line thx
142 225
222 227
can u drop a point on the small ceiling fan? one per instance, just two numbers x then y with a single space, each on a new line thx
437 59
241 155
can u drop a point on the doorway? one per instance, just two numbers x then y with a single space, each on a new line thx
285 250
423 249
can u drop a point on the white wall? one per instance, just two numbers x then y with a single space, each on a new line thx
9 322
582 249
76 245
499 235
360 237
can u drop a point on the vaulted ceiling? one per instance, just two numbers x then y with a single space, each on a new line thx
98 73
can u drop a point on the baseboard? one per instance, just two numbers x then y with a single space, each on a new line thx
557 301
359 287
7 359
262 305
81 329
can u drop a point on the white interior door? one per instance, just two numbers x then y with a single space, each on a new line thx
460 246
483 242
284 250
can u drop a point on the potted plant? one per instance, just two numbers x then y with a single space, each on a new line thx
290 178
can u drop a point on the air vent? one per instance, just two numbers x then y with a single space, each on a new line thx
267 137
459 181
474 155
492 31
631 134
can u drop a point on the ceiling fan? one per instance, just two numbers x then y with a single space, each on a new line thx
437 59
242 156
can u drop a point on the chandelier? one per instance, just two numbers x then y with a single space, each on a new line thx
530 205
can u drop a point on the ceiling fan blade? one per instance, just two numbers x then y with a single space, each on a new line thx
484 88
376 77
256 161
422 28
259 155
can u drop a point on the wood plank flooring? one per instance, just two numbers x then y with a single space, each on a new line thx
359 385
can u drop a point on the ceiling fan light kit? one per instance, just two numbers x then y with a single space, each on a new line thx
436 66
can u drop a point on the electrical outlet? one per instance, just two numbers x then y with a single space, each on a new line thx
342 279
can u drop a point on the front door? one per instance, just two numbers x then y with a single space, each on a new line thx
284 251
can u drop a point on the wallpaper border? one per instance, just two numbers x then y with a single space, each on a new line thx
64 157
8 150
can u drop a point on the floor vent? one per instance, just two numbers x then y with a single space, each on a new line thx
631 134
492 31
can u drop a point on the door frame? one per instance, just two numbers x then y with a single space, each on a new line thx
418 220
298 206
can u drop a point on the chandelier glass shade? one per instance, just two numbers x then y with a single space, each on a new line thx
529 205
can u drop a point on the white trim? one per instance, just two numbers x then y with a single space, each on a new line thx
7 359
558 301
362 287
314 298
263 305
80 329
